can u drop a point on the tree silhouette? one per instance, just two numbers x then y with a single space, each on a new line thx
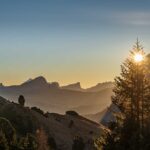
21 100
132 97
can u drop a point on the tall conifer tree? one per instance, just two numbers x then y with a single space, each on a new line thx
132 97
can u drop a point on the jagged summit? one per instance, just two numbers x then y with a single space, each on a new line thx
52 97
54 85
100 86
38 81
41 81
30 79
74 86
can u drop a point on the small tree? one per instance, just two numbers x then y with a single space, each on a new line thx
8 130
42 140
3 141
21 100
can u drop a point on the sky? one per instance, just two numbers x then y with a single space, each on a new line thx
69 40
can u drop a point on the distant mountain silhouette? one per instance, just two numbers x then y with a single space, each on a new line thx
28 80
74 87
105 116
109 115
51 97
100 86
39 82
98 116
96 88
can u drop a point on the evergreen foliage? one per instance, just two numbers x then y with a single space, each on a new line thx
132 96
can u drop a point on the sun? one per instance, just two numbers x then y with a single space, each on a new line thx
138 57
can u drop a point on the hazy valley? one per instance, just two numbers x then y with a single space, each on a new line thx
54 98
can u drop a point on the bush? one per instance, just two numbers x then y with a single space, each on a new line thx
72 113
38 110
21 100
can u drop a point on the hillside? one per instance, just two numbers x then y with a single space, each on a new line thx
105 116
63 128
98 116
51 97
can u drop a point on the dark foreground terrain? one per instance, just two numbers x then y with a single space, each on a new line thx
51 129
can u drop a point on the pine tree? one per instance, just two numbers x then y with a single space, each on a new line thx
131 95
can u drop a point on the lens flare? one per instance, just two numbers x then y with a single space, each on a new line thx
138 57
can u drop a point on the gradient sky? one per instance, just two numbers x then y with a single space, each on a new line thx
69 40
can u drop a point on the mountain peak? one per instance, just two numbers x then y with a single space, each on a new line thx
74 86
40 78
28 80
101 86
77 84
38 81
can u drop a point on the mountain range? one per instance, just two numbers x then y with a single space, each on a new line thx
55 98
105 116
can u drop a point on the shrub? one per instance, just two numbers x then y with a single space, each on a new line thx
38 110
21 100
72 113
